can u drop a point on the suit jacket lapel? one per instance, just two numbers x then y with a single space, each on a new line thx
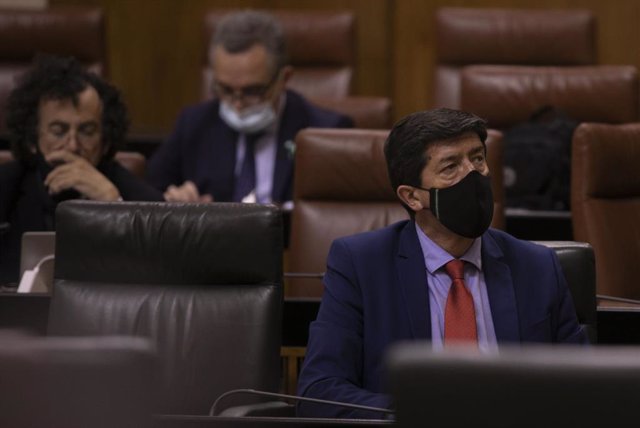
412 281
294 118
502 299
223 151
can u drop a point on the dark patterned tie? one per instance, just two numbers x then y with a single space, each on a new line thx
246 181
459 313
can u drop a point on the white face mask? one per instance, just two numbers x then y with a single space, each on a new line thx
250 120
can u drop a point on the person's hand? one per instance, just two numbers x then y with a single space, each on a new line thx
187 192
75 172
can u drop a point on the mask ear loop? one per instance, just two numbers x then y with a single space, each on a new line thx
434 195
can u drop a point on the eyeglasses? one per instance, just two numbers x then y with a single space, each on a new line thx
253 94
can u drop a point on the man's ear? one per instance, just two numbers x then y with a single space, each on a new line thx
287 72
411 197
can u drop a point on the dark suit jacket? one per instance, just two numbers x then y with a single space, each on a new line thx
202 148
376 293
26 206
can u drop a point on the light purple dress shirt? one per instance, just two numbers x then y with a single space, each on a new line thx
439 282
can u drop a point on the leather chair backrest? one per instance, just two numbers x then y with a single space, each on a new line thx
587 93
135 162
367 112
605 202
77 31
321 47
100 382
342 188
204 282
579 268
507 36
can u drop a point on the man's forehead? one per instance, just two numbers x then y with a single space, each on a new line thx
253 62
86 103
466 142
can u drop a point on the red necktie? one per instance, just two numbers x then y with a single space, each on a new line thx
459 314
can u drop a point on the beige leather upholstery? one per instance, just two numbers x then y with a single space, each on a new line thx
507 36
605 203
341 188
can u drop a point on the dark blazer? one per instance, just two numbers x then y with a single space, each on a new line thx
202 148
376 293
26 206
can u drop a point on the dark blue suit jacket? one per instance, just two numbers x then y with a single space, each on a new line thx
202 148
376 293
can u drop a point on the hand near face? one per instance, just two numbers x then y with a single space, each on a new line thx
75 172
187 192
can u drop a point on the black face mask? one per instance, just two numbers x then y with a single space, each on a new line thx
466 208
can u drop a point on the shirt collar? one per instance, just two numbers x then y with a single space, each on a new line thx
435 257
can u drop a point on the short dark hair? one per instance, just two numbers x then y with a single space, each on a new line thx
406 147
61 78
239 31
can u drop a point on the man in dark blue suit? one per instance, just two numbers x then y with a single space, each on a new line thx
240 146
393 284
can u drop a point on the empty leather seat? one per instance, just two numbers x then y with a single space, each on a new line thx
102 382
507 36
605 203
77 31
204 282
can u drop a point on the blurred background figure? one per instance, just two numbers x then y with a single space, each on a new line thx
65 125
239 146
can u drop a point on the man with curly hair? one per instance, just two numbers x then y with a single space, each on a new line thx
65 125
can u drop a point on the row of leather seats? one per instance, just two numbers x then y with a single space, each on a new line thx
520 60
544 57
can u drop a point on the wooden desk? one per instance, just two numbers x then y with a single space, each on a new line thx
28 312
179 421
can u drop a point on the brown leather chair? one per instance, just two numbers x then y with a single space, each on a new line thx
507 36
203 281
135 162
321 47
341 188
77 31
605 199
101 382
507 95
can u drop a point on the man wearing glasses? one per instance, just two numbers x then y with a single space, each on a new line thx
65 125
239 146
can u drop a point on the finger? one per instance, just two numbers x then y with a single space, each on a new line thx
61 156
190 188
206 198
175 194
59 184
